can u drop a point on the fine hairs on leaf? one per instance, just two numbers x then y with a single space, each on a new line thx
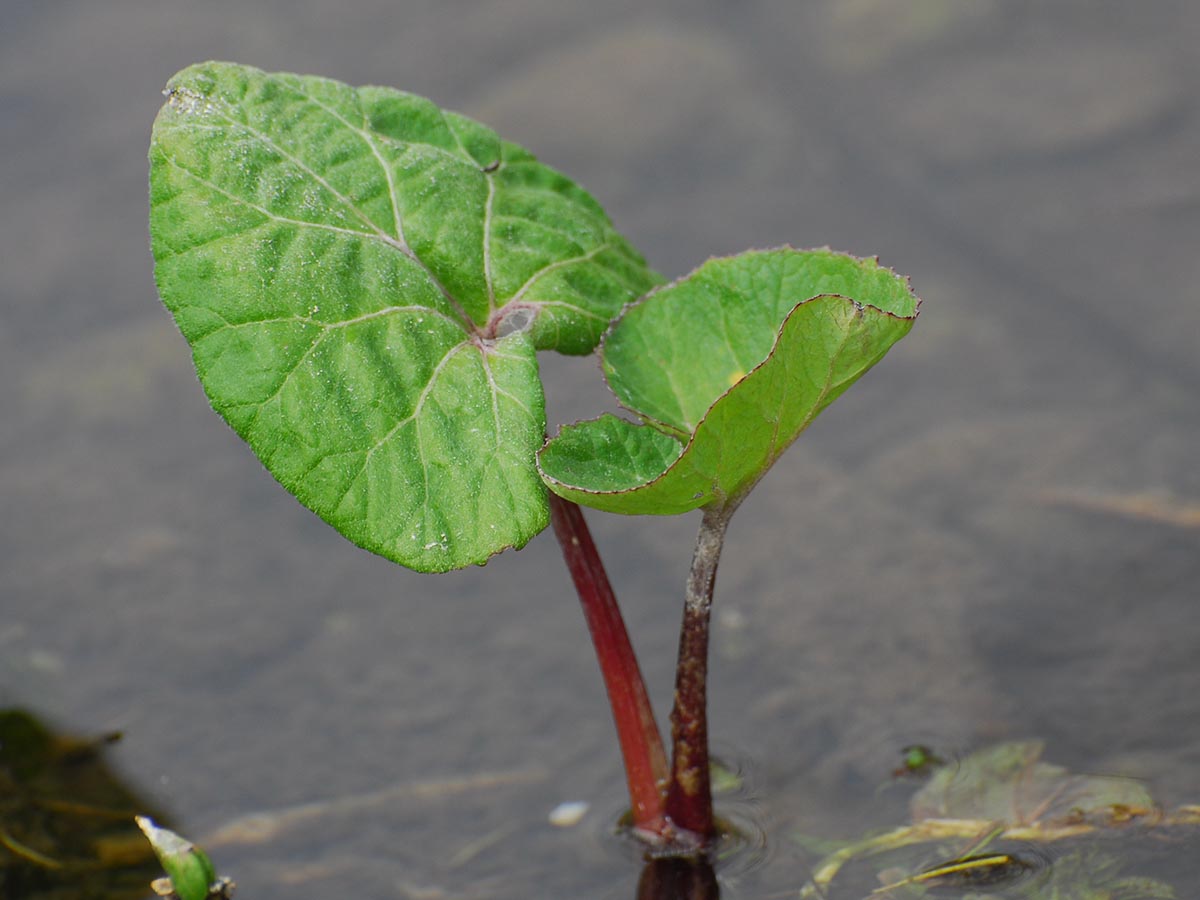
365 281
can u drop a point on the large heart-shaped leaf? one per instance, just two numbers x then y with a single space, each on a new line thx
364 280
725 368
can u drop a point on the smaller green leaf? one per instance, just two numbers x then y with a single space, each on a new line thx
610 453
726 368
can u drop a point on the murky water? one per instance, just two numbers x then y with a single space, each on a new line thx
994 536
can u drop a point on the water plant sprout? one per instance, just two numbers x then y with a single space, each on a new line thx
365 281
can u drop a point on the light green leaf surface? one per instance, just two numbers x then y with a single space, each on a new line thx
364 280
726 368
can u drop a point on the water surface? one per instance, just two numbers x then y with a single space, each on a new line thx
994 536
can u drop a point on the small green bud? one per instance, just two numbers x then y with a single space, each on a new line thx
190 872
918 760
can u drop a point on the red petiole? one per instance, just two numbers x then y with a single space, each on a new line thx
641 744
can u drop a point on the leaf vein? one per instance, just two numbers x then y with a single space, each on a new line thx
368 139
300 223
421 398
488 212
269 143
547 269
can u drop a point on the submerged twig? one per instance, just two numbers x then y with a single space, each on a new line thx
258 828
1144 505
26 852
473 848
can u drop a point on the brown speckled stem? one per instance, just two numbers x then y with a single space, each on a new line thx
689 796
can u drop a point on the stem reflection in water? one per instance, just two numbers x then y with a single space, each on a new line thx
678 878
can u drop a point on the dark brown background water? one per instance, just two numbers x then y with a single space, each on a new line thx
995 535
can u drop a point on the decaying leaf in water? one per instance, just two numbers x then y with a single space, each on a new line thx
974 816
1089 875
1010 785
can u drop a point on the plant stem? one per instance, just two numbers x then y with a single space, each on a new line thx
641 744
689 796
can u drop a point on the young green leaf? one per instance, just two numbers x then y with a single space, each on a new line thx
725 368
364 280
191 872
